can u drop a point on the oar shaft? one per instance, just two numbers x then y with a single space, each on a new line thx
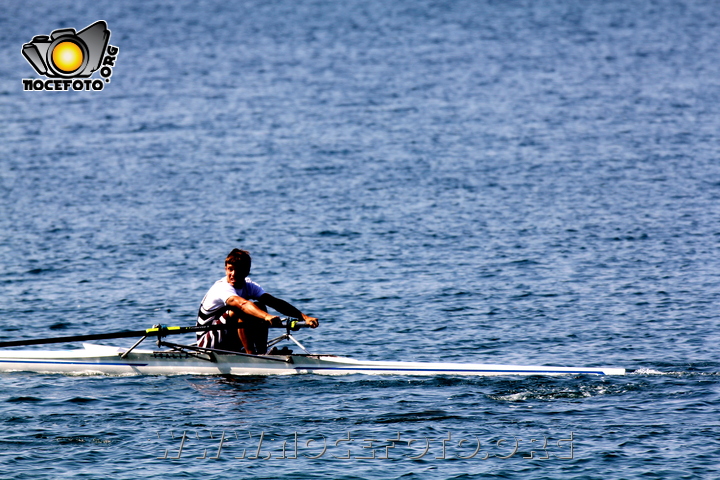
150 332
75 338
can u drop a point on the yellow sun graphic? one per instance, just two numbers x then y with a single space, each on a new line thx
67 56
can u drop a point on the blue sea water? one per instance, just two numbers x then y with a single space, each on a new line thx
479 181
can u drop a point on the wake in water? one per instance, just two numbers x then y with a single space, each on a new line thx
652 371
648 371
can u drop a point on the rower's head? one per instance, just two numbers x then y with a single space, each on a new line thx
237 266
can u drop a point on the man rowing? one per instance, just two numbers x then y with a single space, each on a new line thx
241 304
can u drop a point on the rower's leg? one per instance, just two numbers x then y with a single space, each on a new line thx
235 342
245 338
254 333
260 333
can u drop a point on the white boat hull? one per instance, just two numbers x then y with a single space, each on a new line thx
105 360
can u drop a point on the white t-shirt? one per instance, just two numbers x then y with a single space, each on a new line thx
212 306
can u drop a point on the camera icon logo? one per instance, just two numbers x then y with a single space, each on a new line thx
66 53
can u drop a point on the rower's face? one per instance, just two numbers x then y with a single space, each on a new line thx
235 276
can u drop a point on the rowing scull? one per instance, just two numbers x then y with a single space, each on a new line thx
100 359
178 359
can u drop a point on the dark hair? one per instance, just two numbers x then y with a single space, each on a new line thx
240 259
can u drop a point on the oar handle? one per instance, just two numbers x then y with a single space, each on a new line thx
294 324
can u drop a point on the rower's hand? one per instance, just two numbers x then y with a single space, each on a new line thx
274 321
311 322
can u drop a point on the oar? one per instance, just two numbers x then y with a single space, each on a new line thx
159 331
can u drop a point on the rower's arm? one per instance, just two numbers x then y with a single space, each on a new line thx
285 308
249 307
